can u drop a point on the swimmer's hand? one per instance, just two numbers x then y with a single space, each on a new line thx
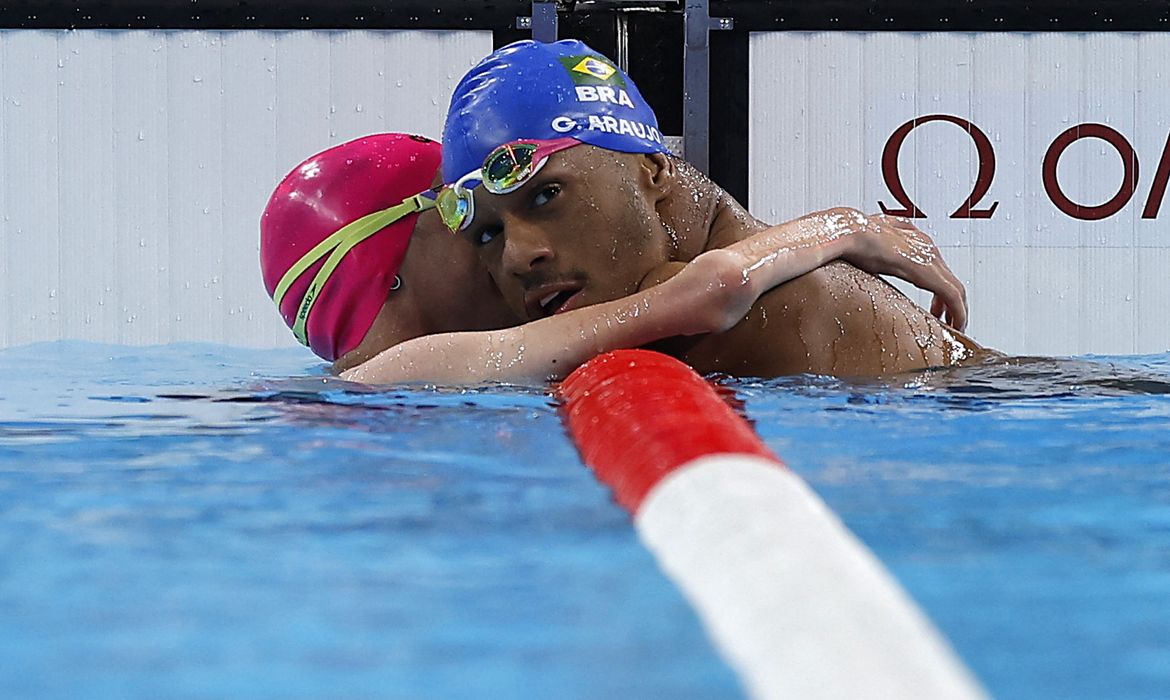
892 245
881 245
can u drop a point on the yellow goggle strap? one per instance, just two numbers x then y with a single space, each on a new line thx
336 245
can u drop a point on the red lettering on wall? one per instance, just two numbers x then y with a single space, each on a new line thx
982 181
1128 181
1158 189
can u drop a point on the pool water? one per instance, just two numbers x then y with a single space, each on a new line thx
187 522
203 521
1024 505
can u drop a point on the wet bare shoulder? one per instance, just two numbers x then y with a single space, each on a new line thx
731 223
834 320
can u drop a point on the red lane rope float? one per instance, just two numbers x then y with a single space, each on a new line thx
638 415
795 604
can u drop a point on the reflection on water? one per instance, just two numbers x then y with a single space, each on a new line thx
1037 377
996 378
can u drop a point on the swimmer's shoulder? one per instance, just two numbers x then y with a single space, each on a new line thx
833 320
731 223
780 335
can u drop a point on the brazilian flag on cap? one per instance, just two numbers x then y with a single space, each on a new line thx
530 90
592 70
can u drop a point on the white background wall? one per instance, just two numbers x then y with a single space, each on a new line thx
1040 281
134 166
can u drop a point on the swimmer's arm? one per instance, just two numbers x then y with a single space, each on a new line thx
878 244
709 295
881 245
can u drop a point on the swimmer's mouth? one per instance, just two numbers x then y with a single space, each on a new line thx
551 299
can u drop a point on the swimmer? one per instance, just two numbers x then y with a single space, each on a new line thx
365 273
558 174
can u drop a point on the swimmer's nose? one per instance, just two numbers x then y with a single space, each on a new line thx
526 248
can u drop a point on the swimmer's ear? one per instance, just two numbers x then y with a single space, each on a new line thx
658 173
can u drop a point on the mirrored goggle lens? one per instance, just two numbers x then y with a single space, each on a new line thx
508 167
454 208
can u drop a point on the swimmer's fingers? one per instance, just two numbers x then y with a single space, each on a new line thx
955 314
937 306
950 297
921 263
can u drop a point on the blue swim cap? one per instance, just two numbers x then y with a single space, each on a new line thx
530 90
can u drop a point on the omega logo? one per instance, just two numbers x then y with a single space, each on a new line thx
983 147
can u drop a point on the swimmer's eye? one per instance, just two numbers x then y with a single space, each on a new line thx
545 194
486 234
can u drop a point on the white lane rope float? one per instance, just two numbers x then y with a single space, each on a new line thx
796 605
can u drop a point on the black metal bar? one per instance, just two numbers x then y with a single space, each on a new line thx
697 83
730 121
622 30
544 21
500 15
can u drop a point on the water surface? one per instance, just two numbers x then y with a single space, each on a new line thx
204 521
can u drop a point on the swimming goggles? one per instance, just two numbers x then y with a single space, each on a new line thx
336 246
505 170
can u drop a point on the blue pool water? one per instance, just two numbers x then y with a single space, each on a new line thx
189 521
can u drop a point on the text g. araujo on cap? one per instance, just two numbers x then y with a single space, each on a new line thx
531 90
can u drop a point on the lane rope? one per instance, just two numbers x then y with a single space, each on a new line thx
793 601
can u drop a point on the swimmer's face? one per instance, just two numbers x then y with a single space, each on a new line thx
444 289
452 290
582 231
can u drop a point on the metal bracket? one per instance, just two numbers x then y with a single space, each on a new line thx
697 25
543 21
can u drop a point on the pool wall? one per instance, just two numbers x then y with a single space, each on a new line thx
1072 130
134 166
134 163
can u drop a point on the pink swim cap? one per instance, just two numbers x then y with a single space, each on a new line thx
320 196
